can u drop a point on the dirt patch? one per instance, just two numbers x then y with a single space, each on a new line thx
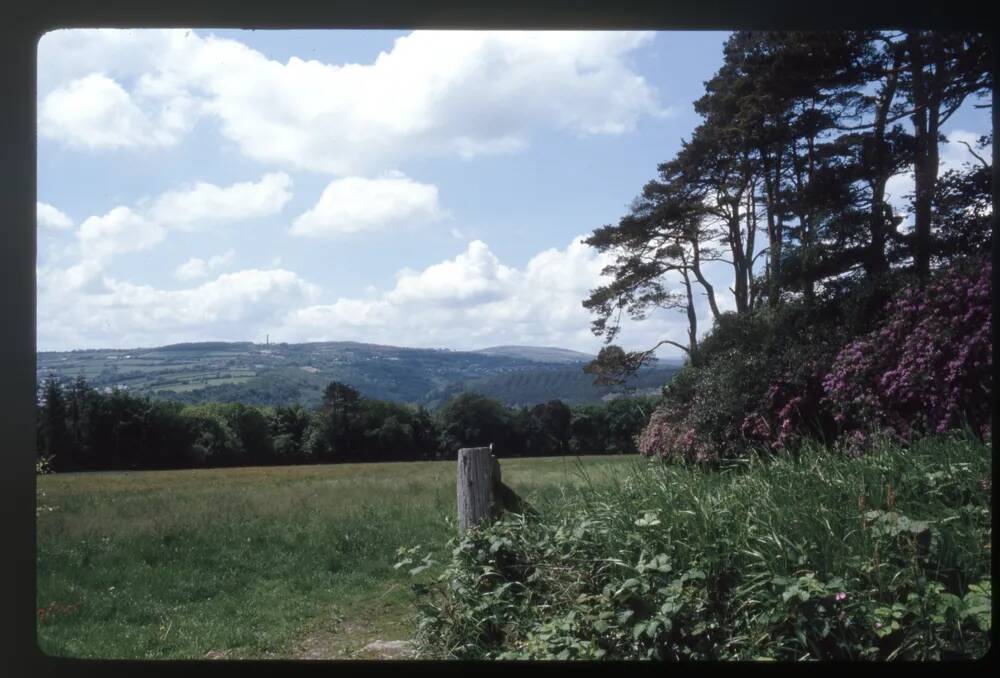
379 627
358 637
389 649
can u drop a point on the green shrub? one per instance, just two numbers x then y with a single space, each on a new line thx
813 556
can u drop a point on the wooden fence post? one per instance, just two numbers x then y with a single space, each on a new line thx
478 480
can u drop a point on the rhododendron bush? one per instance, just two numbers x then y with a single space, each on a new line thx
925 368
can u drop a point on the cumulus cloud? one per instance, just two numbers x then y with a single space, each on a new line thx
97 112
50 217
84 277
195 267
120 230
355 204
205 204
473 277
124 54
464 93
74 298
474 300
125 229
468 301
234 306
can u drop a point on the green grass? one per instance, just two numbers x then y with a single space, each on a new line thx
249 562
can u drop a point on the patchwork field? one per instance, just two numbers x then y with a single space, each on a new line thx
263 562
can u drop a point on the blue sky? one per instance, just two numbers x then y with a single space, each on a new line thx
417 189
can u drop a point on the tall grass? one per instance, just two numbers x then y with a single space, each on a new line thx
807 556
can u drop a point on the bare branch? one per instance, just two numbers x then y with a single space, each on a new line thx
974 154
672 343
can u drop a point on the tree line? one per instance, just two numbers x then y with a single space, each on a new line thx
82 429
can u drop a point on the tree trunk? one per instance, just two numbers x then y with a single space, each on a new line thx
736 240
774 234
875 263
751 235
702 280
692 316
924 119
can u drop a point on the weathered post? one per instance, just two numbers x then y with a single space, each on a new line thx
478 480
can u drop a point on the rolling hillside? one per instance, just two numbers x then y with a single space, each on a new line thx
271 374
542 354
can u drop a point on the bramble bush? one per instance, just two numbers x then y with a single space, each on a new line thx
816 556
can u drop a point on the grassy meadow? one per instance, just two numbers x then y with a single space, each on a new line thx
262 562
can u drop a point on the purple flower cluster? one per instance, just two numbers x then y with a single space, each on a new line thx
927 369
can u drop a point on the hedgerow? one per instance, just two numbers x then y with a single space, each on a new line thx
815 556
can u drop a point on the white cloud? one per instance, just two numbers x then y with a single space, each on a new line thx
192 269
84 277
195 268
355 204
124 229
473 277
50 217
124 54
120 230
203 203
96 112
234 306
463 93
469 301
474 300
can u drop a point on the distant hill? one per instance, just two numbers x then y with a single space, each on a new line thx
542 354
557 382
272 374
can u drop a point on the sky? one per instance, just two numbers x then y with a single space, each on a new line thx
423 189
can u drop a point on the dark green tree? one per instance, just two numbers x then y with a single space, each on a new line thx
941 70
288 425
472 420
55 437
342 410
554 418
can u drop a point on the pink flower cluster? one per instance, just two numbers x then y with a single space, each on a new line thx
668 435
